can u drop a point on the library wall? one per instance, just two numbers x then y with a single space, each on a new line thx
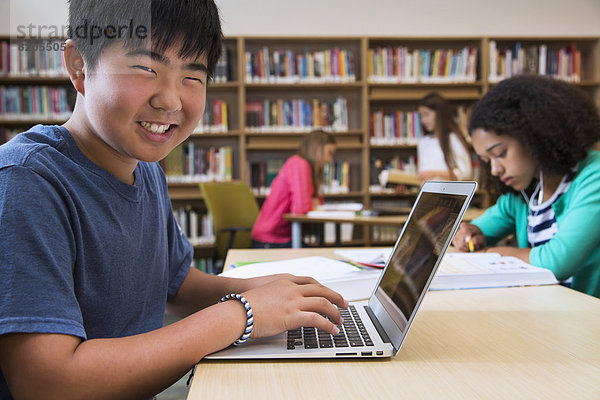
375 17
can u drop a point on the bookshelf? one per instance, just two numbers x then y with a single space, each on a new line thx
269 91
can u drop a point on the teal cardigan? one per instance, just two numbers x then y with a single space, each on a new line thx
575 249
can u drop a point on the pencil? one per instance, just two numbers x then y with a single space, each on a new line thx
471 245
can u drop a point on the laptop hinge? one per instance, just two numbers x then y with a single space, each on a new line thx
378 326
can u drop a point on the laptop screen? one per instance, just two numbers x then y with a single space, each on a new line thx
416 253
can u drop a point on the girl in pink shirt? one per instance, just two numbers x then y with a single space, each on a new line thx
295 189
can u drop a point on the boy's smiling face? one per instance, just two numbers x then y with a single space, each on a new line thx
138 105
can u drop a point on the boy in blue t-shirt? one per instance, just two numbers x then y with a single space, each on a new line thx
90 253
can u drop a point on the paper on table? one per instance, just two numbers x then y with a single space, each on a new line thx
350 281
331 214
366 255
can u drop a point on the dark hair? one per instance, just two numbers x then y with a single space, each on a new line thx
311 149
444 126
556 121
193 26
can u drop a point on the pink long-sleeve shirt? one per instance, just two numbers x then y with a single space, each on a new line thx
291 192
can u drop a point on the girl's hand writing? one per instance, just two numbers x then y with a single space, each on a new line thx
468 237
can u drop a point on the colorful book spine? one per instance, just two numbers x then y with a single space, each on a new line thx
403 65
560 62
190 162
334 65
215 118
396 128
32 58
34 102
296 115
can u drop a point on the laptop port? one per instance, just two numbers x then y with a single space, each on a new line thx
380 353
366 353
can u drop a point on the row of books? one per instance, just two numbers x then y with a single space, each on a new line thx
402 65
396 128
286 66
336 177
215 117
192 163
222 71
195 225
297 115
34 102
260 175
32 58
562 63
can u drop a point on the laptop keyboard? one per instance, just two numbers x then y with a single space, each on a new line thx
352 334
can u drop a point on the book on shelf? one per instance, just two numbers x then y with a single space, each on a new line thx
195 225
32 58
336 177
467 270
189 162
262 173
400 64
34 102
297 115
222 71
215 118
395 128
561 62
334 65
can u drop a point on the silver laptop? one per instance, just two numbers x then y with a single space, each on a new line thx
378 327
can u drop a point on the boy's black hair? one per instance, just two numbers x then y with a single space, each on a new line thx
557 122
192 25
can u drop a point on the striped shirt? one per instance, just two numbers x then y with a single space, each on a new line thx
541 221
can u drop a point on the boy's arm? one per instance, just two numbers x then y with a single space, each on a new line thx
63 366
200 290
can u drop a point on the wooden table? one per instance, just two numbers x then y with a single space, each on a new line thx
396 220
529 343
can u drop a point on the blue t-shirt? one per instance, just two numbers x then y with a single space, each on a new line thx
82 253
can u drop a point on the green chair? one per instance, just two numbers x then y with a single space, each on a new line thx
234 210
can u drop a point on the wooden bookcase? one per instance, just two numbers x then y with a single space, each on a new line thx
362 96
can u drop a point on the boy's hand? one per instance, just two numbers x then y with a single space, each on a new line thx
468 237
252 283
284 304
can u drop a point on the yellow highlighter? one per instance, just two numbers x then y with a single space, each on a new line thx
471 245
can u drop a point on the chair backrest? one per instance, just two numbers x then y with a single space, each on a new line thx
231 205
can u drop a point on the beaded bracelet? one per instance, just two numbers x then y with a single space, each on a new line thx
250 318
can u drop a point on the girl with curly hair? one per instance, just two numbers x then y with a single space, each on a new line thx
535 136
